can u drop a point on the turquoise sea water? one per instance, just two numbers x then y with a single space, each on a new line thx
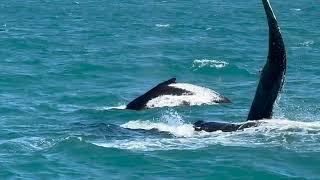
65 64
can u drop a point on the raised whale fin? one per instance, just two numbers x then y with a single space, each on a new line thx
273 73
159 90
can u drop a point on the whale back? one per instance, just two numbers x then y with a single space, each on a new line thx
273 73
159 90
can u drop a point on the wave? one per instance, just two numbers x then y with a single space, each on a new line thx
27 144
295 135
184 130
171 132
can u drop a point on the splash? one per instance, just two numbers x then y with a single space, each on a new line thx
294 135
185 130
171 117
170 121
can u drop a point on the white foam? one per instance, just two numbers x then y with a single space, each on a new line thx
162 25
184 130
200 63
200 96
170 121
295 9
31 143
171 117
307 43
112 108
298 136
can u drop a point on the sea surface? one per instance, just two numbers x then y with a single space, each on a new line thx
68 68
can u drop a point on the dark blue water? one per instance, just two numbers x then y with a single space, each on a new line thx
65 64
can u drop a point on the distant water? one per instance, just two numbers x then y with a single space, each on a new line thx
66 65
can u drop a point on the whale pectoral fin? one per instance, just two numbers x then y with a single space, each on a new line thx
161 89
273 73
224 100
166 83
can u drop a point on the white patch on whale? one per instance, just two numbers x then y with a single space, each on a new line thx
200 96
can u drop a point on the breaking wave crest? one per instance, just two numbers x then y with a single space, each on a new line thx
293 135
183 130
298 136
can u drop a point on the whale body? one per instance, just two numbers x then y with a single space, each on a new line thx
270 83
171 93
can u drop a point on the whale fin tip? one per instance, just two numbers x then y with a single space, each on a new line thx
170 81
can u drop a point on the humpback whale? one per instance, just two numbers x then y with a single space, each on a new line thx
167 91
270 83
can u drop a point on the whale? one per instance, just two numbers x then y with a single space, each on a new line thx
171 93
271 81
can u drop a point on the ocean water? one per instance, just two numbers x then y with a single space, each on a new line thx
65 65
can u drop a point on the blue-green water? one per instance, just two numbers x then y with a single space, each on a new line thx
64 64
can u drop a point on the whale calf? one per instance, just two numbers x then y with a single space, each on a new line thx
171 93
270 84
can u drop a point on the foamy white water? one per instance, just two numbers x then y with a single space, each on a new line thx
112 107
200 63
294 135
162 25
184 130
